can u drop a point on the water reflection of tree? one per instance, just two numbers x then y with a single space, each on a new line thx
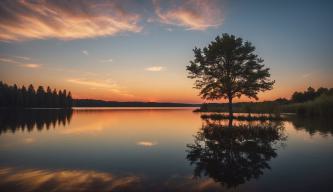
324 126
232 154
14 120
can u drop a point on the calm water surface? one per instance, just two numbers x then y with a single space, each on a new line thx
151 149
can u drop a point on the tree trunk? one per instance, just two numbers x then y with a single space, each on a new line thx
230 122
230 108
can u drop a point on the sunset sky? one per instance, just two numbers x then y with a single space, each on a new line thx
138 50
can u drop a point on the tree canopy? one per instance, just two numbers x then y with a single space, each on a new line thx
229 68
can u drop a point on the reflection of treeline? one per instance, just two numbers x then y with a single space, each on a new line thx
14 96
30 119
313 125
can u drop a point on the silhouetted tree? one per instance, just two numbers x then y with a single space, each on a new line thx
228 68
19 98
298 97
55 98
63 98
322 90
69 99
310 94
40 97
49 97
2 94
31 96
60 98
24 93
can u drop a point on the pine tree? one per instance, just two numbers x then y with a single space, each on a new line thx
31 96
48 99
40 96
69 100
55 99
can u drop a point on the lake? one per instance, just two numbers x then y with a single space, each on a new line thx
160 149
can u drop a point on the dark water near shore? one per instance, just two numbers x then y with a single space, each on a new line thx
154 149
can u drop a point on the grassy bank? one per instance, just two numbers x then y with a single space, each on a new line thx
256 117
267 107
321 106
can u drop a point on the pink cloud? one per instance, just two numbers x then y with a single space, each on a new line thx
31 65
191 14
21 20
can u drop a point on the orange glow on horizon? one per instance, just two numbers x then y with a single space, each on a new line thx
177 94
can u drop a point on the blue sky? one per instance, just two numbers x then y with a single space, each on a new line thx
143 56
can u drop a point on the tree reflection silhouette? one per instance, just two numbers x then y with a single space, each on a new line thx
323 126
233 153
29 119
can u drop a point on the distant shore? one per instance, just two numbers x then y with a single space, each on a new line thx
101 103
321 106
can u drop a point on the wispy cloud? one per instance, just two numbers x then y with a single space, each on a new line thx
19 61
67 180
146 143
76 71
107 84
8 60
106 60
31 65
155 68
22 20
23 58
85 52
104 84
306 75
191 14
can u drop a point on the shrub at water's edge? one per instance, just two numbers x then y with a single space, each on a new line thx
313 103
321 106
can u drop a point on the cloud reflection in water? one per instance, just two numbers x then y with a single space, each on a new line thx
14 179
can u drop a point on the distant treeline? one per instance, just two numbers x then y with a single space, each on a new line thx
101 103
22 97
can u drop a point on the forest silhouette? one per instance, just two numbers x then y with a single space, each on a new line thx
13 96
